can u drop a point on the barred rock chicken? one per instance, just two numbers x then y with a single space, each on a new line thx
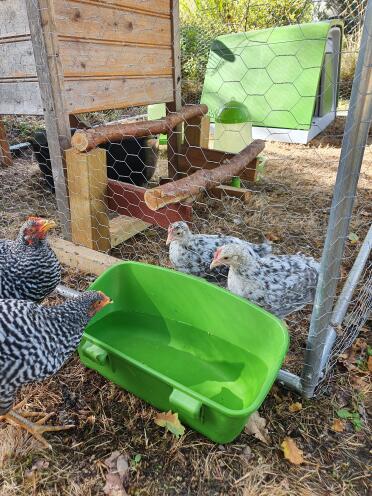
281 284
193 253
35 341
29 269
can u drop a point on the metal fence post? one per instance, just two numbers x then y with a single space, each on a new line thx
353 144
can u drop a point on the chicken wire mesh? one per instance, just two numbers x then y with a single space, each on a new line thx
115 62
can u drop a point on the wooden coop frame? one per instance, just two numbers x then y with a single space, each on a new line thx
200 170
53 62
53 58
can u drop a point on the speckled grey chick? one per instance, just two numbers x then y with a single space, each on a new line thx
29 269
35 341
281 284
193 253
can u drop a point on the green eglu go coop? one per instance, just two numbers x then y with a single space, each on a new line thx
286 76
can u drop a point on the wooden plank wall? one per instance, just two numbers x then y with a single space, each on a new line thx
114 53
19 89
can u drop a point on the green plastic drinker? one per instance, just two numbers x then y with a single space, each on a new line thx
233 130
183 344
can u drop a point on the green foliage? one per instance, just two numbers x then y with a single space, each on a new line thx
354 418
204 20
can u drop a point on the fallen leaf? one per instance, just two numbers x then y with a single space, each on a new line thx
113 486
338 425
353 238
117 474
295 407
170 422
291 452
369 363
256 426
272 236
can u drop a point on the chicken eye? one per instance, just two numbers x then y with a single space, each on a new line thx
225 258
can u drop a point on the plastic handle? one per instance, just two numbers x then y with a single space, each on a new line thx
94 353
183 403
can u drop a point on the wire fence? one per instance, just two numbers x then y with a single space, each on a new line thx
106 67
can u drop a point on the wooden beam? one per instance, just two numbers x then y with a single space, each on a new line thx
85 140
175 138
197 131
5 153
193 159
201 180
231 191
124 227
81 258
127 199
87 181
50 76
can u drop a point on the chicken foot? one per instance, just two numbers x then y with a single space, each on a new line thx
36 429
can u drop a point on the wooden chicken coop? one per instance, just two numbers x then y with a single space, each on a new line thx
60 58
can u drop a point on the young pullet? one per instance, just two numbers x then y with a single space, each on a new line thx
281 284
35 341
29 269
193 253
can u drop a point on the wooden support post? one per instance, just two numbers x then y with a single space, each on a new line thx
50 76
5 153
87 182
175 138
197 131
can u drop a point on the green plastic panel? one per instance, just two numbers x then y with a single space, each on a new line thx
275 72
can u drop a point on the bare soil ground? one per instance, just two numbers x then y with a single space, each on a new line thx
291 207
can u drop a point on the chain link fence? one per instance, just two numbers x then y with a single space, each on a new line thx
111 68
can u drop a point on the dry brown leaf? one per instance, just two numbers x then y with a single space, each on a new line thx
369 363
295 407
256 426
117 475
272 236
291 452
338 425
170 422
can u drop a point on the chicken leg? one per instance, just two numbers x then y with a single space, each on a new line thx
36 429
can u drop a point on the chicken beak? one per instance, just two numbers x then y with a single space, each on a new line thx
215 262
47 225
170 236
105 301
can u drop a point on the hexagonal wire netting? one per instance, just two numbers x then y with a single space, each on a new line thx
107 68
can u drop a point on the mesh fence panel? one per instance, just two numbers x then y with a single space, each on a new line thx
110 62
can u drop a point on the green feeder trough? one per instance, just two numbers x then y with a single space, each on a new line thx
185 345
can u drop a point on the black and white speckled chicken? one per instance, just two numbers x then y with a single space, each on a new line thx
193 253
281 284
29 269
35 341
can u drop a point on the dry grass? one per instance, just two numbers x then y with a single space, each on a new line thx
292 203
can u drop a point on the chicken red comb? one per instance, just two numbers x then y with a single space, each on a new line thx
217 253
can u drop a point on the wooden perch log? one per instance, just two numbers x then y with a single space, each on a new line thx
202 180
86 140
